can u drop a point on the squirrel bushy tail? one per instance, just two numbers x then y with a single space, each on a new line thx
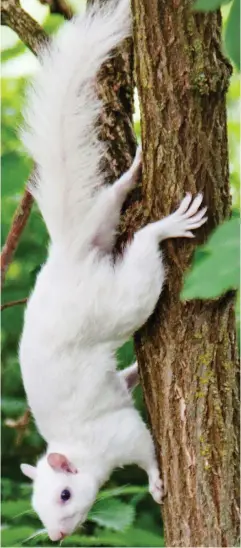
61 115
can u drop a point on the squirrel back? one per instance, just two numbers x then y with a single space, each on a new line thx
61 115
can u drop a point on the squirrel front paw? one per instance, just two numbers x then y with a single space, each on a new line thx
187 217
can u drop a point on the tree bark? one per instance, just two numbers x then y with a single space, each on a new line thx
187 350
115 87
28 30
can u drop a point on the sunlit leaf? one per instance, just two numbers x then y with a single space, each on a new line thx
132 537
15 172
216 265
123 490
209 5
232 34
12 509
12 407
12 53
14 536
112 513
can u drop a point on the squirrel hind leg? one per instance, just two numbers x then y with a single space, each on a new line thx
110 202
129 179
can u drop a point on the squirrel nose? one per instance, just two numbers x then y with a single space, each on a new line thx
57 536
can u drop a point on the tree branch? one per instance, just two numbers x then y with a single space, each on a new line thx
59 6
20 425
28 30
115 85
19 221
13 303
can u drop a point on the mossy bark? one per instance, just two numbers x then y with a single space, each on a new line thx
187 350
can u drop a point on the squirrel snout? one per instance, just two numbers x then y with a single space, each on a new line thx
56 536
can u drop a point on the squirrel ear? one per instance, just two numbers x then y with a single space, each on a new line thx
60 463
28 470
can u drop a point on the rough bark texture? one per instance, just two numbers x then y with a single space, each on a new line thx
187 351
115 87
59 6
28 30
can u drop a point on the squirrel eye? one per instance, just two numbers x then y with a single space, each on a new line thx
65 495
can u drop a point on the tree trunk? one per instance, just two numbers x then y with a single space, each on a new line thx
115 87
187 351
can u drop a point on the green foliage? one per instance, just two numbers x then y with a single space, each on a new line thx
15 536
52 24
216 264
112 521
12 53
232 34
209 5
113 514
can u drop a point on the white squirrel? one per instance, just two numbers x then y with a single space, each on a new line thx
84 306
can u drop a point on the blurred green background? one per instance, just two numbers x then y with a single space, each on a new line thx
125 514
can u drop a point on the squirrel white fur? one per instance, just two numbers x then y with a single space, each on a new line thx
84 306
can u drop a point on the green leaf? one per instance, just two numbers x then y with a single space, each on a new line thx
52 24
11 53
216 265
232 34
233 93
12 406
140 537
209 5
126 354
122 490
15 171
15 536
110 539
35 537
12 509
132 537
113 514
235 213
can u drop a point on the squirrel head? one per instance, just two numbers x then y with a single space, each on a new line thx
62 494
